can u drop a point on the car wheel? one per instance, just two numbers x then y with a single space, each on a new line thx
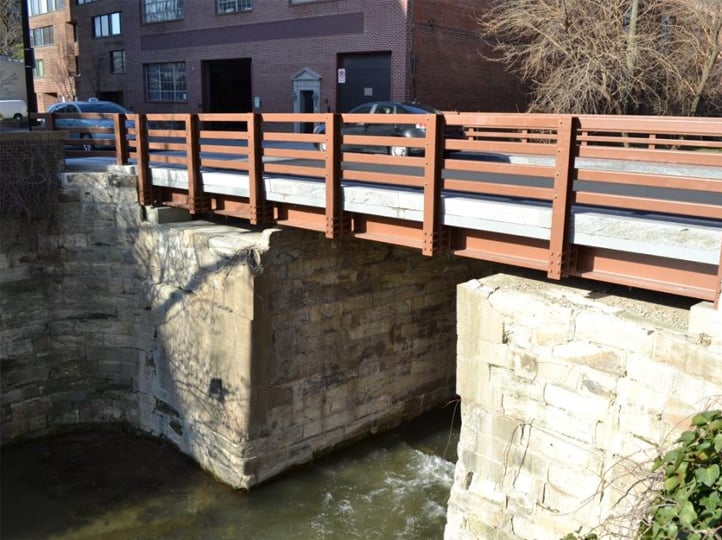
18 116
399 151
87 147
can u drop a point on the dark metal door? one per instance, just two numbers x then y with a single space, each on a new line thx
367 77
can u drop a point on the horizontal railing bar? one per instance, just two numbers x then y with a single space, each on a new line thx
679 157
499 147
279 167
504 190
522 169
293 153
225 150
225 164
382 159
651 180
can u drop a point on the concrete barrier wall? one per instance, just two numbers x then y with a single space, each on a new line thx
567 396
251 350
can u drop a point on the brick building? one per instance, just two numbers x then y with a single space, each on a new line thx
265 55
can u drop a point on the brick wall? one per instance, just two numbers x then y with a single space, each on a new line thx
451 71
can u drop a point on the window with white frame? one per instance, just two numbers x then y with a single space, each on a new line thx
41 37
232 6
39 69
117 61
166 82
38 7
106 25
161 10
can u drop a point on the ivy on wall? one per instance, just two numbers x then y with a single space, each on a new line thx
688 504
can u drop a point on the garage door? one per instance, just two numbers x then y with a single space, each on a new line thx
365 77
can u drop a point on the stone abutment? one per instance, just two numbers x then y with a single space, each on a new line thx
251 350
567 396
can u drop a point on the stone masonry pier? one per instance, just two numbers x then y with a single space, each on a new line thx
251 350
567 396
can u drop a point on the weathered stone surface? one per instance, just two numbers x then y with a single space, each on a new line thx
558 424
251 350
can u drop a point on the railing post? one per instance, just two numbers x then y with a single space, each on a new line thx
121 140
261 210
198 202
559 247
435 240
145 180
337 224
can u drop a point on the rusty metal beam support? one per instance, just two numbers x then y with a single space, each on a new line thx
198 202
559 247
435 240
146 193
120 132
261 211
337 223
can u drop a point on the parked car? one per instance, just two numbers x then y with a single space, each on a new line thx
389 130
90 106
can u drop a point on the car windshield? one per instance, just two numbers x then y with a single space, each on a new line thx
99 107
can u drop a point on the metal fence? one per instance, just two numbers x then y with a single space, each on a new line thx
658 169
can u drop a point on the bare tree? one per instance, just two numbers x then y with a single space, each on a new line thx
616 56
60 72
7 81
11 29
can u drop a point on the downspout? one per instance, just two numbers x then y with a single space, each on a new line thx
410 53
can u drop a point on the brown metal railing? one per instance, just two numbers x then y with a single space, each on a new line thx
647 165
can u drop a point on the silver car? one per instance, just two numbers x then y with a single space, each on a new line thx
91 106
389 130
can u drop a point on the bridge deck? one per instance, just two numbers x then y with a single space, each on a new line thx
696 240
635 201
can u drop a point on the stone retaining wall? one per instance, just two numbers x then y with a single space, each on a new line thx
566 397
251 350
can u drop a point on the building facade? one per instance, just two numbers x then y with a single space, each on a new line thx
266 55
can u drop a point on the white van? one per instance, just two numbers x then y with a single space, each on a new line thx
13 108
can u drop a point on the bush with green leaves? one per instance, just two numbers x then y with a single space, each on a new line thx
690 503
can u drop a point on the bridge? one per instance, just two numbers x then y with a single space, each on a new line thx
255 349
630 200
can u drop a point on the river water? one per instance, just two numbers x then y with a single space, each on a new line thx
111 485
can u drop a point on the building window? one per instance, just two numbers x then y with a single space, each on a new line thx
293 2
166 82
38 7
41 37
81 2
232 6
106 25
117 61
39 69
162 10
